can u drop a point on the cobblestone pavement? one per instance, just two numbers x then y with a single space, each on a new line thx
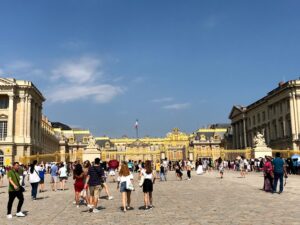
205 199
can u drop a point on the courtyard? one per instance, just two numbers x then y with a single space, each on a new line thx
205 199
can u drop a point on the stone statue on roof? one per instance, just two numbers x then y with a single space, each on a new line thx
92 142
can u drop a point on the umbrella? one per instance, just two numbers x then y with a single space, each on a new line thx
113 164
295 156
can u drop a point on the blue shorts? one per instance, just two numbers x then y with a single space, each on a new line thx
123 187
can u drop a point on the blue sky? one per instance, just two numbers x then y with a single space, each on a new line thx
169 63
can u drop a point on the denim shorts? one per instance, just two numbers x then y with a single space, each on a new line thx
123 187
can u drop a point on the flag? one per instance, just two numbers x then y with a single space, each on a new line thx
136 125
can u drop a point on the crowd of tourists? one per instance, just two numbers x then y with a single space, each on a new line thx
91 177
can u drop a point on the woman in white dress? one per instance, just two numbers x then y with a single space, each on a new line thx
200 169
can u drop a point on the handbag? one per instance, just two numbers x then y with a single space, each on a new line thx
142 181
129 185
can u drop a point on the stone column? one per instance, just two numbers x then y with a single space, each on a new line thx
22 119
28 121
11 119
245 132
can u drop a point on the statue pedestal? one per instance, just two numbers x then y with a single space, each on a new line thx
90 153
261 151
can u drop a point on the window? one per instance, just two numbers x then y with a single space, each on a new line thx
1 158
3 130
264 116
254 122
258 118
3 101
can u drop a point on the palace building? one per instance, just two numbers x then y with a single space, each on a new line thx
23 129
277 116
26 134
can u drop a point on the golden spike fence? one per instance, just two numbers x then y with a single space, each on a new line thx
193 154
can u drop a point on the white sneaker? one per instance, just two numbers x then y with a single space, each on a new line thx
96 210
9 216
20 214
74 203
90 206
110 197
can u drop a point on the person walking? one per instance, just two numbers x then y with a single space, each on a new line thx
94 180
34 179
149 180
189 169
42 176
63 176
14 190
279 171
78 176
54 173
268 175
125 183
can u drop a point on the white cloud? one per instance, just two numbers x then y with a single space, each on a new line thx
82 70
177 106
21 69
101 93
161 100
81 78
74 44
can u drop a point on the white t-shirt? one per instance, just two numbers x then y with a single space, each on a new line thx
62 172
124 179
34 177
147 176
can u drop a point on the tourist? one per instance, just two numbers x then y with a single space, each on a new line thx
125 183
200 170
1 177
94 180
42 176
149 180
157 168
14 190
105 187
242 166
162 174
268 175
85 191
63 176
279 171
34 178
178 171
220 167
189 169
54 173
78 176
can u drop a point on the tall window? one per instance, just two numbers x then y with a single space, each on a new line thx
3 130
1 158
3 101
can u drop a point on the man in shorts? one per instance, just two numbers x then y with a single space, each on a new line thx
94 181
53 173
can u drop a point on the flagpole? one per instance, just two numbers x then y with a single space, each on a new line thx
137 128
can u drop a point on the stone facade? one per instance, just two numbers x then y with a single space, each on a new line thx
23 131
277 116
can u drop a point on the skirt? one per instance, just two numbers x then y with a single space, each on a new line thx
78 186
147 186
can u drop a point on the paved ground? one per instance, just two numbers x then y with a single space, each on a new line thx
204 200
